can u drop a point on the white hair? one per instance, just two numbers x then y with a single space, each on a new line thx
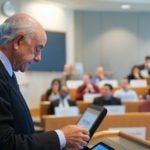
9 30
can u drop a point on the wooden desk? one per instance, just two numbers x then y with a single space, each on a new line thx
138 90
52 122
148 79
127 120
43 110
132 106
110 121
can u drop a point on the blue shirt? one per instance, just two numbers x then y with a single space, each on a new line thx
126 94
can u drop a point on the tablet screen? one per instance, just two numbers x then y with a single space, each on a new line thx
88 118
102 146
92 117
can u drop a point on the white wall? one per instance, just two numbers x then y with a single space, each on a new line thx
115 40
54 18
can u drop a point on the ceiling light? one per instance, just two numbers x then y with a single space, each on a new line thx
125 6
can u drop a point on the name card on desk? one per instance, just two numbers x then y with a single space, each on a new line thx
115 109
89 97
114 83
138 83
67 111
74 83
137 131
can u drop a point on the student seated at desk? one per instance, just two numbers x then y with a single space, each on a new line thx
125 93
99 76
107 98
86 87
53 92
63 101
145 65
135 73
67 74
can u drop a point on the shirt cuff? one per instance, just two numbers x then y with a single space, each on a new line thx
62 139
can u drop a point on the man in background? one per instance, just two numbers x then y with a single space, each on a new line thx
146 65
63 101
22 39
68 74
125 93
99 75
107 98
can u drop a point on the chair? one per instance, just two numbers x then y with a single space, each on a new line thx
43 97
144 107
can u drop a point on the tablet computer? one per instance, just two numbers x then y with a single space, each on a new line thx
92 117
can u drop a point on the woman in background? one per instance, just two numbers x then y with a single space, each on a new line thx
135 73
53 92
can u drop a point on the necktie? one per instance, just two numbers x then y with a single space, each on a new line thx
14 77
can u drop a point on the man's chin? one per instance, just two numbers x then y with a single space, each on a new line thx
24 69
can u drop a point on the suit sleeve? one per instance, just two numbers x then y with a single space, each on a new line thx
10 140
95 101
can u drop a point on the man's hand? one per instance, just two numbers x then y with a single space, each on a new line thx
76 136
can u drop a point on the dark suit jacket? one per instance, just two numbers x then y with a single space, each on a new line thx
101 101
55 103
16 126
142 67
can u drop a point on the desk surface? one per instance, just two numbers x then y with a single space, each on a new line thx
131 106
119 141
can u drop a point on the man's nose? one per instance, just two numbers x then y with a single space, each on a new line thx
37 58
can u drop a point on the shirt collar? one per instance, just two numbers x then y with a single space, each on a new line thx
108 99
5 61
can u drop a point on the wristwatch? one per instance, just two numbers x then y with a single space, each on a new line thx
8 9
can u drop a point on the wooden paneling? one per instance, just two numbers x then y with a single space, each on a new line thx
110 121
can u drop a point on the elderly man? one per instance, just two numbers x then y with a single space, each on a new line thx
22 39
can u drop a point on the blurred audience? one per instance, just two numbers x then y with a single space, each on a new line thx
53 92
107 98
99 76
86 87
135 73
68 74
63 101
146 65
125 93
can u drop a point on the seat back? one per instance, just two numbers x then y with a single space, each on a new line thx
145 106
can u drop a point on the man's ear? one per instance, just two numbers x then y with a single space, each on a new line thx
17 40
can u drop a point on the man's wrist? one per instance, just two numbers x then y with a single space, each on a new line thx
62 139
